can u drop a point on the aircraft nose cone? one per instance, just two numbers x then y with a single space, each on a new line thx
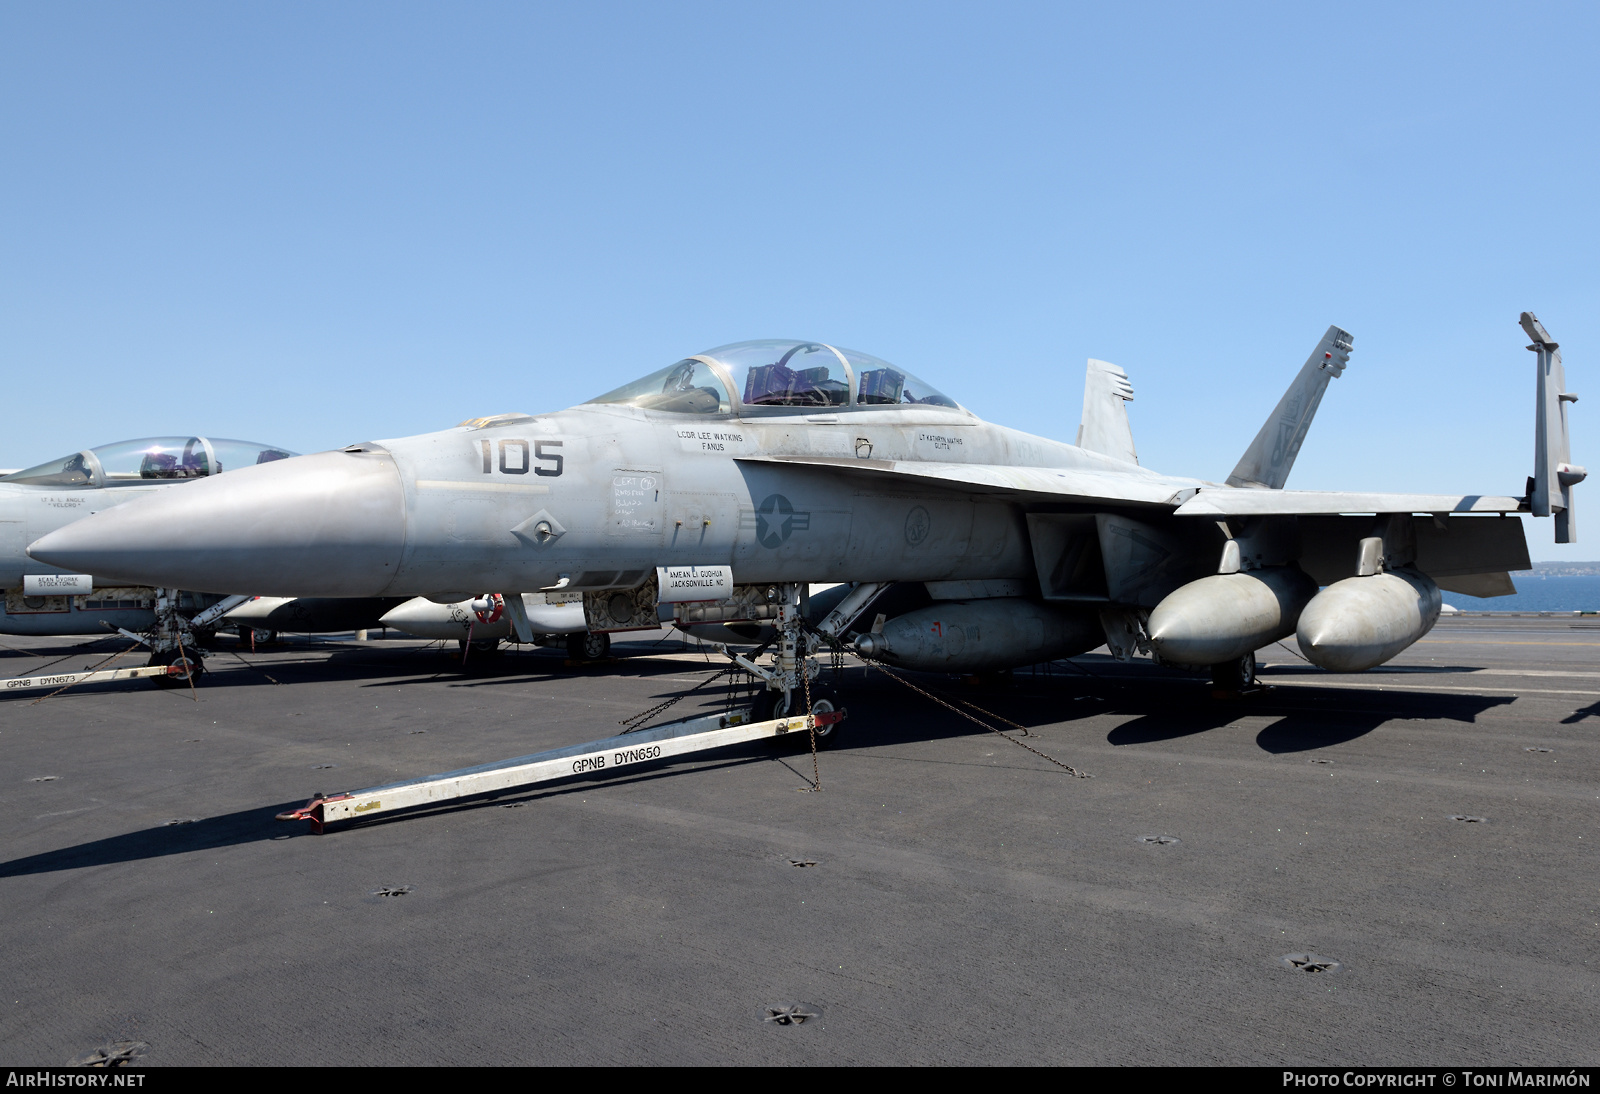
329 524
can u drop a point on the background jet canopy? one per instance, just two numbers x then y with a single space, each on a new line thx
129 463
775 373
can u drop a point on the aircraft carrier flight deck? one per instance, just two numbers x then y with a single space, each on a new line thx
1398 867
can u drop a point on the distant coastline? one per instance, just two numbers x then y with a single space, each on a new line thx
1563 569
1551 587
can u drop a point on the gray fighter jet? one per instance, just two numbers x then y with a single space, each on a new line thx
41 599
716 488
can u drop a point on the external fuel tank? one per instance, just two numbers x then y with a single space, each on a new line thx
982 635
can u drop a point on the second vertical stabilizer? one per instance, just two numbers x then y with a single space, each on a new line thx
1105 428
1267 461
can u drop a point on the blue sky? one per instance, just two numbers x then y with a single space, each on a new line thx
319 223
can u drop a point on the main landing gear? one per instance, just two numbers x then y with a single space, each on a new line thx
588 646
1236 677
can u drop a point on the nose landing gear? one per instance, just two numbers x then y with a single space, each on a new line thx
184 666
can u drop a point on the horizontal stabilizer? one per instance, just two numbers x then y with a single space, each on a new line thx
1484 585
1268 460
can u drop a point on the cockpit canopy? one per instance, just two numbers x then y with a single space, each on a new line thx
775 373
130 463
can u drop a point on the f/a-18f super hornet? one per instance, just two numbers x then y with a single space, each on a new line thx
41 599
725 482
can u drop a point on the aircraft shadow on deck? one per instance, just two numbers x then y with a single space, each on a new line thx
1381 670
1590 711
259 825
1340 715
371 667
883 715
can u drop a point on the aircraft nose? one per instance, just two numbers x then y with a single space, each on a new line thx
329 524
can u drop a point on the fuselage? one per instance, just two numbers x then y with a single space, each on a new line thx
598 496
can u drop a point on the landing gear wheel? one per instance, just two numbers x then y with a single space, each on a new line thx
588 646
250 636
823 702
190 667
480 646
1235 676
774 704
770 705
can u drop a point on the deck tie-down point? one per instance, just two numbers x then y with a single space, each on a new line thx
1309 962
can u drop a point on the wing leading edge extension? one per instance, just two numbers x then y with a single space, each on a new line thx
1184 497
1055 483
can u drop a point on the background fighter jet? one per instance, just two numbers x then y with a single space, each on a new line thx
44 599
41 599
728 480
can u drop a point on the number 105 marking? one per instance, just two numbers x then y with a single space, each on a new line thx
514 458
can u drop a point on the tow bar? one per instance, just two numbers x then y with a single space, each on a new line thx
608 754
22 683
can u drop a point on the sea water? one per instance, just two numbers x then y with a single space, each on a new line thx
1535 593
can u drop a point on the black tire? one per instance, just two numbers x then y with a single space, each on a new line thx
774 704
188 656
824 702
1235 676
588 646
769 705
473 656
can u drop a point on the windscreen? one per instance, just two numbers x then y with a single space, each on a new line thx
688 387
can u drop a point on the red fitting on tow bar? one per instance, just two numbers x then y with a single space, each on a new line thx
311 811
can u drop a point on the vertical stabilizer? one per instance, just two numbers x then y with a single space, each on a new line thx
1554 476
1267 461
1105 428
